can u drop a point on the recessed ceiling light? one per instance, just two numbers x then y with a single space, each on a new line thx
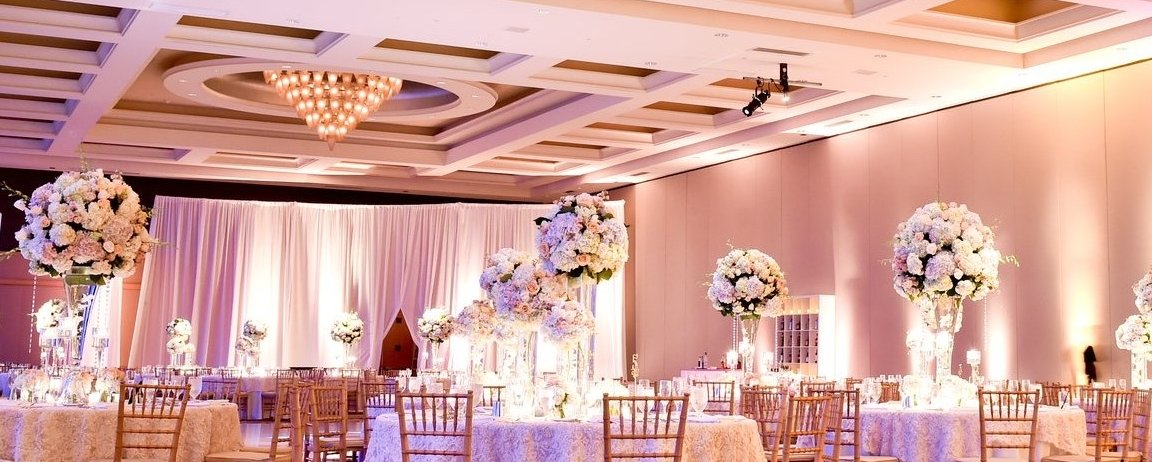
475 96
285 66
542 11
293 21
720 35
879 55
183 80
481 44
192 95
936 96
650 63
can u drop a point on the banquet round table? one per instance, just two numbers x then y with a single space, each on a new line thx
43 432
928 435
494 439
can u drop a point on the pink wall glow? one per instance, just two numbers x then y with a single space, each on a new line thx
1061 172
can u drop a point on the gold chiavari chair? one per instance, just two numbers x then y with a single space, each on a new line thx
1108 413
629 420
766 407
491 394
721 396
846 416
808 387
889 391
442 422
376 397
326 425
1051 392
150 418
805 418
1007 422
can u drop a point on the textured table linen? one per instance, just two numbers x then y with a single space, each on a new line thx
43 433
254 387
729 439
922 435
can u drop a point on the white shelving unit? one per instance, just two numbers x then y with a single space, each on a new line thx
804 335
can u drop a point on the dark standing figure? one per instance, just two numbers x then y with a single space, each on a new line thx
1090 364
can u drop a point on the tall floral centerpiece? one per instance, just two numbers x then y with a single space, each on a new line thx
435 325
85 228
1135 334
478 322
252 335
347 330
581 239
748 284
570 325
943 254
179 344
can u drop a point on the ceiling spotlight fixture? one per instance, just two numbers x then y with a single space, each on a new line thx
333 103
760 94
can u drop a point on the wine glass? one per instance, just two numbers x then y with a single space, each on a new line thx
698 400
196 385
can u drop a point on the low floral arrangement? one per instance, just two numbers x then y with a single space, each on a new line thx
477 320
581 239
255 330
1143 291
50 314
347 329
944 251
520 288
568 323
30 381
748 284
1135 334
83 218
435 325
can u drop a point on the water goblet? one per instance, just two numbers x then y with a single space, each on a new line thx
664 388
698 400
1112 383
1123 384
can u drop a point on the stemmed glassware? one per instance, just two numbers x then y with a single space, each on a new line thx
698 400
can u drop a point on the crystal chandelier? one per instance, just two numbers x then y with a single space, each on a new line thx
332 103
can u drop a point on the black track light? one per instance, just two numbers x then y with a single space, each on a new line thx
759 96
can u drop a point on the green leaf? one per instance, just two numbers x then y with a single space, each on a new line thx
506 277
604 275
576 272
539 221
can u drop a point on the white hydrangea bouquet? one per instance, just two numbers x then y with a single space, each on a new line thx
49 314
581 239
944 250
1135 334
179 327
748 284
477 320
435 324
522 290
568 323
255 330
83 219
1143 291
246 346
347 329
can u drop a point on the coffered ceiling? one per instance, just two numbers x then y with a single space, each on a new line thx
514 100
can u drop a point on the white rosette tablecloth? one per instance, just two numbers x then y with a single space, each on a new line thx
732 439
77 434
925 435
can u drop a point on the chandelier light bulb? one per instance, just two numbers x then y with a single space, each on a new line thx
332 103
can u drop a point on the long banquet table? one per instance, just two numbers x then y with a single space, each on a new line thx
925 435
43 432
495 439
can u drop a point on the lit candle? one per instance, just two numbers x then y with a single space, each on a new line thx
973 356
732 358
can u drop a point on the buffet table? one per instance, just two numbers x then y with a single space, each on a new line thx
925 435
43 432
494 439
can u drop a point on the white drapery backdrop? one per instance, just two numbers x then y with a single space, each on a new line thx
296 266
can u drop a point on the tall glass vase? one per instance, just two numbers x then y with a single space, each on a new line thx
80 285
1139 371
435 362
943 318
519 373
349 359
749 326
477 353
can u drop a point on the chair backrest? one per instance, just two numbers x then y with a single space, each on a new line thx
1050 395
1008 421
327 420
150 417
808 387
1141 411
376 397
1108 413
644 427
766 407
219 388
845 420
435 424
288 416
805 418
721 396
491 394
889 391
